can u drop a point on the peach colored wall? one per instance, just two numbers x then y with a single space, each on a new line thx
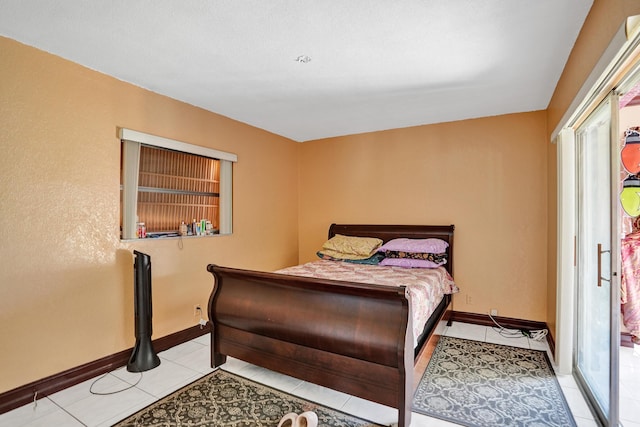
488 177
66 294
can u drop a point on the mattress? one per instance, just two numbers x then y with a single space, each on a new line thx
426 286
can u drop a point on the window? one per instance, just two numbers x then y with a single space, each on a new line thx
166 182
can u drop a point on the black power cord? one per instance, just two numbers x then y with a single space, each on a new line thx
111 392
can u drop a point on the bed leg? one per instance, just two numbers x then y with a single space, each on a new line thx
404 418
405 401
217 359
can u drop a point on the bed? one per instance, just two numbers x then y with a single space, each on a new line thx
349 336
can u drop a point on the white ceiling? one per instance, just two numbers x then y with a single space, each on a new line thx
375 64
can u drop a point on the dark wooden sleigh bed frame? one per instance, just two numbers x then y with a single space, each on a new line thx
352 337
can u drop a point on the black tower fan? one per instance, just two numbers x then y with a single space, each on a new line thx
144 356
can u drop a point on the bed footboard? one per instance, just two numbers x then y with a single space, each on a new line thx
351 337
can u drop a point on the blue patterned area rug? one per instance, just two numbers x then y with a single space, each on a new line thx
223 399
478 384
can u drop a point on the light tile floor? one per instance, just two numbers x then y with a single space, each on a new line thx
630 387
184 363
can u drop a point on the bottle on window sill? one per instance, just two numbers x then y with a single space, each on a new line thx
141 230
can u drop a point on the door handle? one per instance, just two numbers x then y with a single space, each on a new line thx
600 278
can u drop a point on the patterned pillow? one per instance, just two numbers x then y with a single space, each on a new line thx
435 258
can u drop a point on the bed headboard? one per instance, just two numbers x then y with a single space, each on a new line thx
389 232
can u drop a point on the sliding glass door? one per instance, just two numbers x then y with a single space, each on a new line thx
597 246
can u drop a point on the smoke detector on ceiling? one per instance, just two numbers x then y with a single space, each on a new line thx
303 59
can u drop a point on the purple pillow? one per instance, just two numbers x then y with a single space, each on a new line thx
409 263
432 246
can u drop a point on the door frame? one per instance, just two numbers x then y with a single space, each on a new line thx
613 68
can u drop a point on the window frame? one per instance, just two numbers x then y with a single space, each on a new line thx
131 141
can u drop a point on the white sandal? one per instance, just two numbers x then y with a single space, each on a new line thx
307 419
288 420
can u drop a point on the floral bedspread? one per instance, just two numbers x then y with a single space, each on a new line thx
426 286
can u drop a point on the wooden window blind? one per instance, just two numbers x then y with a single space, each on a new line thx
175 187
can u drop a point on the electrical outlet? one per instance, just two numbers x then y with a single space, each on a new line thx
197 310
469 299
494 311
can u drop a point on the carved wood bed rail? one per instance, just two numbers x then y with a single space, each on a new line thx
351 337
